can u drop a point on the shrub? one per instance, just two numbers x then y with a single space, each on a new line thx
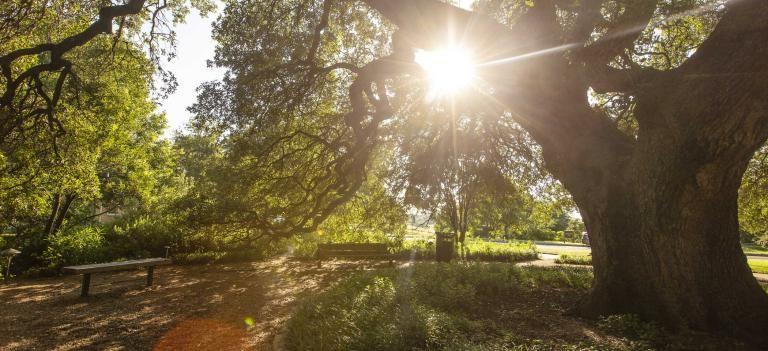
197 257
260 252
78 245
144 236
541 234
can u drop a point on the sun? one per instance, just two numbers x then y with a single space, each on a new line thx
448 70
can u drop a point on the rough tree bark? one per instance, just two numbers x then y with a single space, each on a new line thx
660 208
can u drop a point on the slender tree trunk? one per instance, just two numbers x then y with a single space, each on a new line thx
462 236
59 211
56 203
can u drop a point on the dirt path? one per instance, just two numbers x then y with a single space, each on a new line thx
209 307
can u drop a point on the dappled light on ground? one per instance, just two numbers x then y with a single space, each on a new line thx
188 308
202 334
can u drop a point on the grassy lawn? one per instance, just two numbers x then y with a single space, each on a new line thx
579 259
567 243
752 249
562 251
759 266
476 306
419 234
475 250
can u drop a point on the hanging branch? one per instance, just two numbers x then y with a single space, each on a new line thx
12 118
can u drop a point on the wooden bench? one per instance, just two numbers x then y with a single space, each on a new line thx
354 251
87 269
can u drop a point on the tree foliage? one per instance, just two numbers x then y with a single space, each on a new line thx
753 198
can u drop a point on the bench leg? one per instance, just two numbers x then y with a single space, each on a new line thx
150 275
86 285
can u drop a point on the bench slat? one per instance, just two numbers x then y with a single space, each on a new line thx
114 266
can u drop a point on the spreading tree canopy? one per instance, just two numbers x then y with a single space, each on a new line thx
647 112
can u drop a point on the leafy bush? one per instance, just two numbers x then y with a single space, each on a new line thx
144 236
539 234
260 252
78 245
198 257
426 306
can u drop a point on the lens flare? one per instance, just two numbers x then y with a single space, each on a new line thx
449 70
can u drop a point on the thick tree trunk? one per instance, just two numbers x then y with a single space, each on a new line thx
669 251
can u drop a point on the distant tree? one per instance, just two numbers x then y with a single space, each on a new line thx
451 170
753 198
104 149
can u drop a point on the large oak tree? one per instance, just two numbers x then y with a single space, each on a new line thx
660 205
658 195
655 169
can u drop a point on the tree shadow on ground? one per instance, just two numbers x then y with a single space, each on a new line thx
206 307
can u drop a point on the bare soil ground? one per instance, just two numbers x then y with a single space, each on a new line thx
207 307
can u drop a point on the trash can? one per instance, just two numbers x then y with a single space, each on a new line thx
444 247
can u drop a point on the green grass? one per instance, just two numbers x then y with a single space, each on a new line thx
478 250
563 251
429 307
752 249
566 243
475 250
575 259
759 266
419 234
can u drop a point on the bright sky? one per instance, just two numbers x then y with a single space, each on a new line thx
194 48
466 3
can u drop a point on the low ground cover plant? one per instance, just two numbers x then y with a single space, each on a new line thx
585 260
474 250
472 306
427 306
